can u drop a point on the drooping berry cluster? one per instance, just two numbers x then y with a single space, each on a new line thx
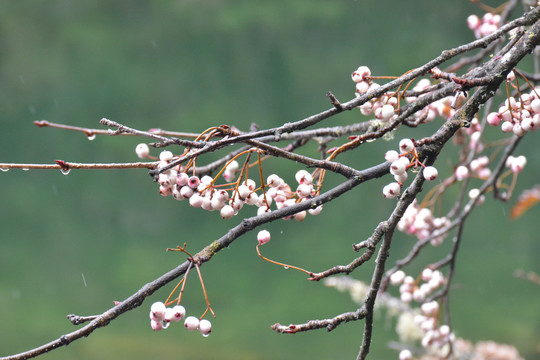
231 197
488 24
400 164
434 335
421 223
162 316
518 116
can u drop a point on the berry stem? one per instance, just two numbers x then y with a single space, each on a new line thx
282 264
208 307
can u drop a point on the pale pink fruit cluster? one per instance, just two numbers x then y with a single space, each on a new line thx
488 24
418 290
203 193
382 107
162 316
440 108
421 223
399 164
516 163
479 167
518 116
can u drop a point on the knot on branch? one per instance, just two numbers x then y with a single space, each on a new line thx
64 340
227 130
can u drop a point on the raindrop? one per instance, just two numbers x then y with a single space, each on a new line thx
91 137
4 169
286 267
65 171
25 169
205 335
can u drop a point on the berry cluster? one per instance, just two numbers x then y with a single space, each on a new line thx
518 116
231 197
421 223
382 107
162 316
385 107
434 335
410 289
516 163
488 24
400 163
440 108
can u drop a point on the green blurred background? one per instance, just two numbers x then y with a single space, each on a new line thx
73 244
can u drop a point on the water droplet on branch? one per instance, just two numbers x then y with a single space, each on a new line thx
65 171
4 169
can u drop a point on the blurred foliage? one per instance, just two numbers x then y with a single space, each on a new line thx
73 244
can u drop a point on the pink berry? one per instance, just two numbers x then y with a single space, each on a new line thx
179 312
494 119
315 211
182 179
397 277
191 323
304 190
227 212
263 237
399 166
430 173
528 124
157 311
362 88
165 180
166 155
518 164
518 130
391 190
387 111
535 106
430 308
186 192
205 327
406 145
507 127
391 156
405 355
274 181
473 193
196 200
156 325
165 191
401 178
243 192
193 182
232 167
427 274
301 216
361 74
461 172
142 151
406 297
